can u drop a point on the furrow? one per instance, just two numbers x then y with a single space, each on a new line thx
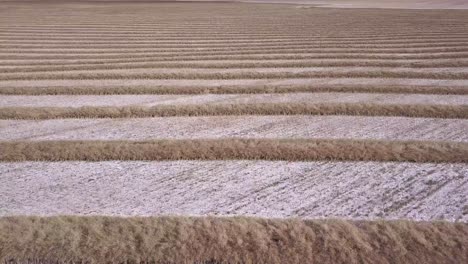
267 73
156 84
298 126
217 99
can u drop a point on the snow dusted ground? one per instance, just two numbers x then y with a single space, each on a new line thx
152 100
358 190
32 37
299 126
217 83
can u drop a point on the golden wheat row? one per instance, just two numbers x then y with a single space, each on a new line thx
233 89
233 149
235 75
361 109
65 239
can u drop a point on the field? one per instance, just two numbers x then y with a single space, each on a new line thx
178 132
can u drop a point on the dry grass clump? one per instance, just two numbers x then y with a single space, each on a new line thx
233 75
232 148
361 109
232 89
99 239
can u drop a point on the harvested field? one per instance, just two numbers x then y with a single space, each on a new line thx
237 110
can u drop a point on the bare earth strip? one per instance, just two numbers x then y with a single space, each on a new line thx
155 100
352 127
33 84
256 188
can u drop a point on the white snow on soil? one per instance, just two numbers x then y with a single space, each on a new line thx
300 126
153 100
357 190
218 83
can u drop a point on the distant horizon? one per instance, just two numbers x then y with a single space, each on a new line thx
392 4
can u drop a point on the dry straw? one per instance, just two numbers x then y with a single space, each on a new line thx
352 109
232 148
68 239
92 75
232 89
